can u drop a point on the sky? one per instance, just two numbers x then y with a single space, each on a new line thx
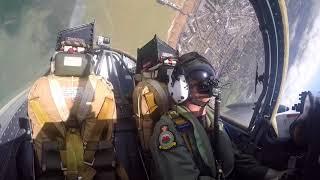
305 69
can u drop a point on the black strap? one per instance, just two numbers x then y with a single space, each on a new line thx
105 159
103 175
51 160
104 154
216 134
95 146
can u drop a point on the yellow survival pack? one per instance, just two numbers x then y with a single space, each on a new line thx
72 112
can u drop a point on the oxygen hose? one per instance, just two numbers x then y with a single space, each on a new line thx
217 102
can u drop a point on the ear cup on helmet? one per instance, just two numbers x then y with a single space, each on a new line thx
178 89
178 85
177 71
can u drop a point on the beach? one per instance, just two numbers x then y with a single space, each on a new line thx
180 20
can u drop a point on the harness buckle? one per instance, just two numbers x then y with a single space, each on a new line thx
89 163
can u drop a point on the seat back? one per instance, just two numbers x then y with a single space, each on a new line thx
150 101
69 92
71 107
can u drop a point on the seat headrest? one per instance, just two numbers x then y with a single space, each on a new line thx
76 64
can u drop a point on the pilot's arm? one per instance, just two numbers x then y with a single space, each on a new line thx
248 167
298 131
171 157
244 166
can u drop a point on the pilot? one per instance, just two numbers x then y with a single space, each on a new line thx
305 132
184 144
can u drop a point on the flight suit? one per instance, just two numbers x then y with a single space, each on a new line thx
181 149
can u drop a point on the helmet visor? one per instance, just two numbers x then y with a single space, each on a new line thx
199 76
204 82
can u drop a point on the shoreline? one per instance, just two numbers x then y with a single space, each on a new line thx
180 20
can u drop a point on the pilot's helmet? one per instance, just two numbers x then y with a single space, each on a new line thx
192 70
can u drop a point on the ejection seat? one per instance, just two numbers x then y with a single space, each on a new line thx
72 112
150 98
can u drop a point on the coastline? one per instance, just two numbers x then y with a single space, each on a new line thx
180 20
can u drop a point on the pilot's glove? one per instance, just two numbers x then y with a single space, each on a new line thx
298 131
276 175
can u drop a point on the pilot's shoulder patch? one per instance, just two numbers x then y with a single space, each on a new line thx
166 139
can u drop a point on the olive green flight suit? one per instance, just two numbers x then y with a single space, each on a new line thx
175 161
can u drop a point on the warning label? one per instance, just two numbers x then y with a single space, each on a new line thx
74 93
72 61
